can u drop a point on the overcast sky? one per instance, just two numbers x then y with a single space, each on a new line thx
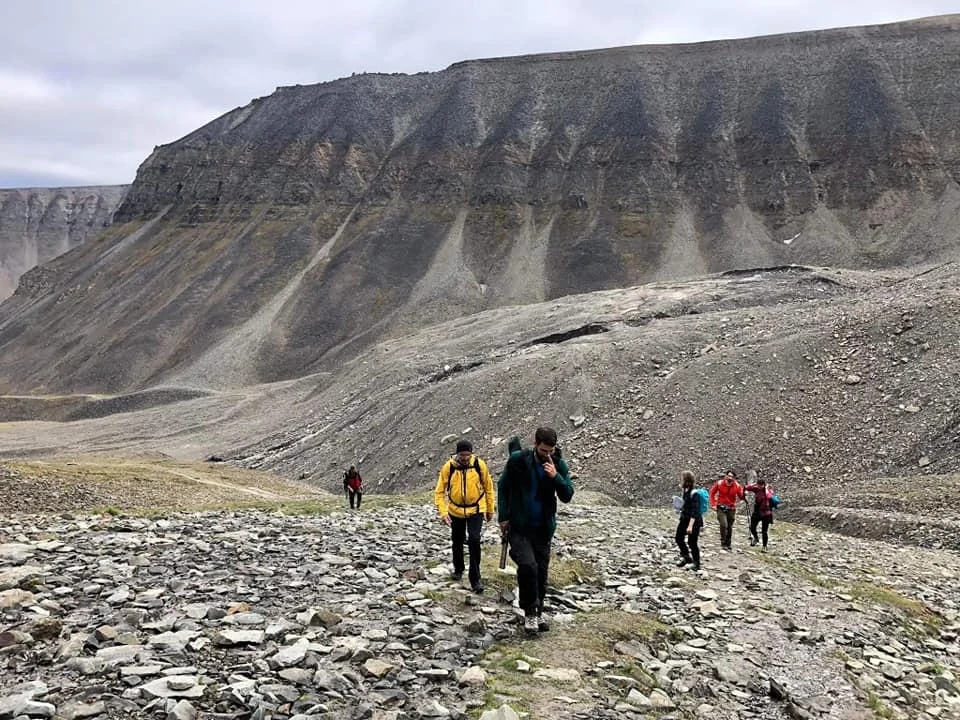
89 87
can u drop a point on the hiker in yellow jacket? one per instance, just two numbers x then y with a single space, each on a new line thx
465 498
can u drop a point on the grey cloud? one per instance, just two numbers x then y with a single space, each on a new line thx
121 77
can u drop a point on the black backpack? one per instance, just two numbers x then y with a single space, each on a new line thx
515 445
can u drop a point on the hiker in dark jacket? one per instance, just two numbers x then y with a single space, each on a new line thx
762 507
353 486
690 524
527 495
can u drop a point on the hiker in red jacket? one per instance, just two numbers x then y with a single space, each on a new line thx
762 507
353 486
724 495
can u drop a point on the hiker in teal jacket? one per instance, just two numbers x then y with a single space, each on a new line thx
527 495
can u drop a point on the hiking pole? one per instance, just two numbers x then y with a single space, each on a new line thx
504 545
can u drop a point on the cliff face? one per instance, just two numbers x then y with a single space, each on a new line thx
39 224
285 235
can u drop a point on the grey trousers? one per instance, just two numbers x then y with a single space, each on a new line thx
726 518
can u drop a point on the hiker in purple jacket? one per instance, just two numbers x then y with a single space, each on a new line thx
762 507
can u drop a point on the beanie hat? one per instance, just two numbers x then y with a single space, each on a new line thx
464 446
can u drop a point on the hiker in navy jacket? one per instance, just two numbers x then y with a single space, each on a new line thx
527 495
691 522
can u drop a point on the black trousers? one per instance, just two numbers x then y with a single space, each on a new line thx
530 550
355 494
469 528
693 540
763 522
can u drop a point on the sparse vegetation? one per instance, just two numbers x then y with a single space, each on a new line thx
879 708
573 571
796 569
155 486
912 609
583 643
436 595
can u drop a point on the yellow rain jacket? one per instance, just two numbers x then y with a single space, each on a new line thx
465 491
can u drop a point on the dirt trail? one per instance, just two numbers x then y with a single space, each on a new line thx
91 482
266 494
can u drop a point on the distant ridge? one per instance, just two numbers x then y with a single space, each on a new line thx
38 224
288 235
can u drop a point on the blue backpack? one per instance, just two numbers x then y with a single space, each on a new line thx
774 502
703 497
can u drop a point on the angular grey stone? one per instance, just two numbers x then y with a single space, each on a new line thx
432 709
16 598
116 655
175 686
298 676
377 668
19 576
76 709
290 655
329 680
183 710
238 637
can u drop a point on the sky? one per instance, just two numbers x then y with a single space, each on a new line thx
89 87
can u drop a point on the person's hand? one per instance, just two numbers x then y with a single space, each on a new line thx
488 516
550 469
445 519
505 527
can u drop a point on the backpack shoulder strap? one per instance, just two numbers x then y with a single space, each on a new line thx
476 469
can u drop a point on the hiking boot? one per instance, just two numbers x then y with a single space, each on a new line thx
477 587
694 566
753 542
530 625
456 576
543 622
683 561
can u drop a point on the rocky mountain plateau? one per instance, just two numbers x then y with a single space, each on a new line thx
283 603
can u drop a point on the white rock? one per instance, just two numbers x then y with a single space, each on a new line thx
504 712
473 675
659 699
566 675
